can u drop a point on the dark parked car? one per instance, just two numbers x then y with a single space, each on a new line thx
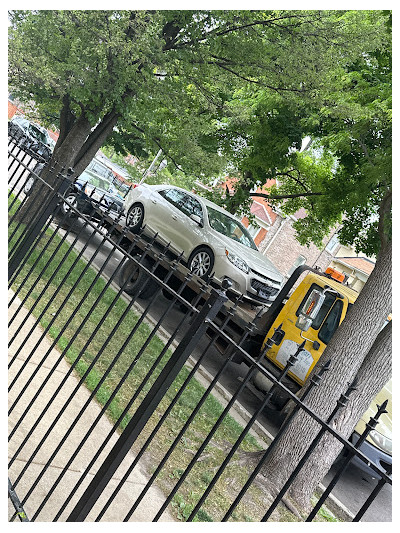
90 191
31 137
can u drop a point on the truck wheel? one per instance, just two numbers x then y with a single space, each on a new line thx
279 399
133 278
251 346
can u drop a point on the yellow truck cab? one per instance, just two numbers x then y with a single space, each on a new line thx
312 314
338 299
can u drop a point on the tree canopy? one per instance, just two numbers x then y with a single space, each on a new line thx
346 173
175 79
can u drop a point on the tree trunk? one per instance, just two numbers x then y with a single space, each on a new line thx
355 349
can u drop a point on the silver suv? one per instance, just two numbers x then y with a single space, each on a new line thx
31 137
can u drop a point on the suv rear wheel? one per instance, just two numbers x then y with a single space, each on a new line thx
134 217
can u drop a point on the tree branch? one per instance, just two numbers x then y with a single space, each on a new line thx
384 210
297 180
157 142
93 142
219 33
285 196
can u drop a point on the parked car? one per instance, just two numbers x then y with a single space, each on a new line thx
210 239
90 191
31 137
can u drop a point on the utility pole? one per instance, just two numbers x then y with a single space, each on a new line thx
151 167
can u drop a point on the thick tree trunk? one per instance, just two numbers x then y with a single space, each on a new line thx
355 349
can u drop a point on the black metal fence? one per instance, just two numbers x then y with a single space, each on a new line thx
112 414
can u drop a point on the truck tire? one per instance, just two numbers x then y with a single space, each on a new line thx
279 397
252 346
136 279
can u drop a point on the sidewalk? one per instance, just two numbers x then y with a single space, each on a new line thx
131 488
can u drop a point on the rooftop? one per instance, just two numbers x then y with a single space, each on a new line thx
360 263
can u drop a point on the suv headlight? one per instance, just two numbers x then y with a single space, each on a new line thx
237 261
384 443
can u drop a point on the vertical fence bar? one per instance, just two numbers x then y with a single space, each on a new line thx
37 225
381 483
290 362
315 380
346 460
341 403
19 510
148 406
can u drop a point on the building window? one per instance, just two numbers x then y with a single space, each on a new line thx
330 247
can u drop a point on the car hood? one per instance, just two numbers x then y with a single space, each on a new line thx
255 259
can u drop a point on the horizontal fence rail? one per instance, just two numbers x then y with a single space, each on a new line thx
116 412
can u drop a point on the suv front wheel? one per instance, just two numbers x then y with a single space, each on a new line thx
201 262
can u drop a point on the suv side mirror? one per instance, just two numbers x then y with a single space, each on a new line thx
310 310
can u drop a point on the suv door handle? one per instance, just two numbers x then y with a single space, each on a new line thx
154 201
174 217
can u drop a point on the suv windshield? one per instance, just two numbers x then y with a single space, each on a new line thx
38 134
96 181
229 227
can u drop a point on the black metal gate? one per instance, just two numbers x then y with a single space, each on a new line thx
111 415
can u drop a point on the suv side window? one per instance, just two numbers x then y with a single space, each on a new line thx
101 170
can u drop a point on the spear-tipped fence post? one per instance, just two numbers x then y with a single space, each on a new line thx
34 229
373 421
148 406
314 382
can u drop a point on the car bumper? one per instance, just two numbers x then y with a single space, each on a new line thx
252 286
375 455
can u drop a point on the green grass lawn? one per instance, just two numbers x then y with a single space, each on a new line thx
76 297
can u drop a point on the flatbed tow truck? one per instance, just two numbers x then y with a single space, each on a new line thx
246 312
309 308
